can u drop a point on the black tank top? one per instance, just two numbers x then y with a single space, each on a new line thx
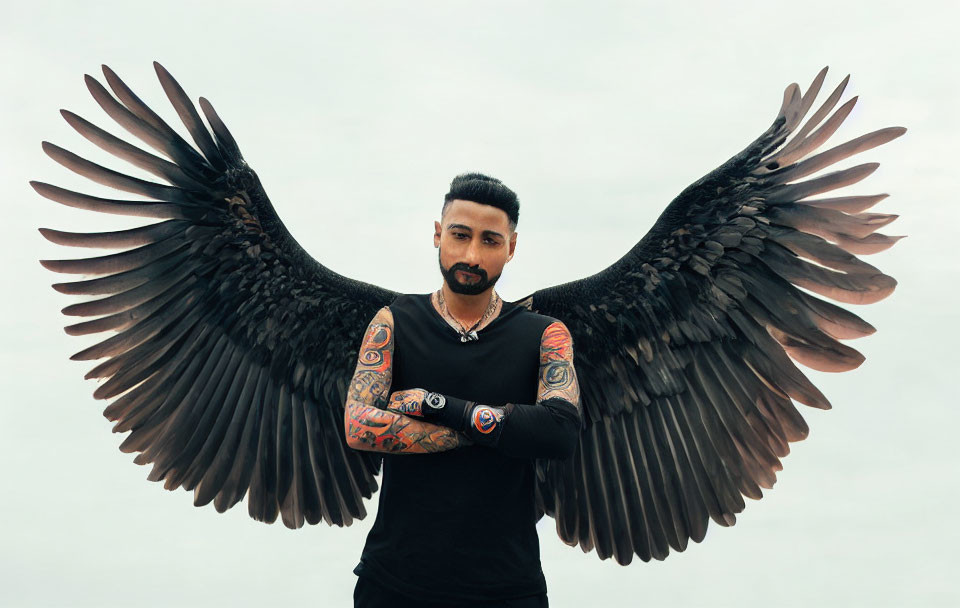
460 524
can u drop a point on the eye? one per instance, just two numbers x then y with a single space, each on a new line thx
490 241
459 235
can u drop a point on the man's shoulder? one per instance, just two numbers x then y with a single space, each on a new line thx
534 318
406 299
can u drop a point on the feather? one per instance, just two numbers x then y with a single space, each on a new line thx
196 455
237 403
127 318
835 155
143 330
811 124
188 114
132 154
123 281
262 503
116 262
828 223
104 205
114 179
125 300
165 141
816 139
241 472
119 239
830 181
225 141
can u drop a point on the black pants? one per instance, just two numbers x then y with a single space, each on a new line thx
368 594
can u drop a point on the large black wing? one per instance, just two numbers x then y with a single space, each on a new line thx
681 346
232 347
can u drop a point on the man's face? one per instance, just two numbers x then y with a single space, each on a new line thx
475 242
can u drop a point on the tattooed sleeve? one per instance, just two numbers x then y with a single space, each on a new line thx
557 375
370 427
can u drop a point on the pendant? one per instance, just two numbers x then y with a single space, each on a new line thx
470 336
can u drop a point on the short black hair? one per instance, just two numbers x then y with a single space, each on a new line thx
485 190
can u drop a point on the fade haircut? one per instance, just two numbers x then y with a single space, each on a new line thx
485 190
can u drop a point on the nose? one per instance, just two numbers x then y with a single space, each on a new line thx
472 255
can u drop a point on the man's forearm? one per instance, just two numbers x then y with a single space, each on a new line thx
373 429
548 429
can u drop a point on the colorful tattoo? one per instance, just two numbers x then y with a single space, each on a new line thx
378 348
409 402
486 418
370 427
384 431
558 378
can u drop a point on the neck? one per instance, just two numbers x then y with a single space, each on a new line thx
466 307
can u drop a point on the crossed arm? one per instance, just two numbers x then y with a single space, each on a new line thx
370 427
548 429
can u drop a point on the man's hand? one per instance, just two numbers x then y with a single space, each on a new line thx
409 402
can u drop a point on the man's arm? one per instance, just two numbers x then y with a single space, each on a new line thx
551 428
368 427
548 429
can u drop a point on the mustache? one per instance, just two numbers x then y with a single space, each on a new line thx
467 268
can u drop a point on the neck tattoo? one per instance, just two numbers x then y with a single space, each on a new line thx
467 335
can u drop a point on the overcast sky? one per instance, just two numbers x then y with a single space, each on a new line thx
356 116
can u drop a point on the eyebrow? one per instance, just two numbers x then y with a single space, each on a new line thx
484 233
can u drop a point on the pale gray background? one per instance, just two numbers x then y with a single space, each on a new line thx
356 116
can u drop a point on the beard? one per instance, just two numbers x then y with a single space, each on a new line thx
467 289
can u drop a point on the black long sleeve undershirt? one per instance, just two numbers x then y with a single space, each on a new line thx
547 429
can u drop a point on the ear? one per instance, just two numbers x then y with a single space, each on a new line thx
436 234
513 245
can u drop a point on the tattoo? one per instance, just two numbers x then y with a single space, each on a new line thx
409 402
485 418
370 427
378 348
558 378
384 431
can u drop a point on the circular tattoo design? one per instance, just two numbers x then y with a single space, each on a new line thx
372 357
379 338
556 375
485 420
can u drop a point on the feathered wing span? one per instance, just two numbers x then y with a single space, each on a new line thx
231 347
683 346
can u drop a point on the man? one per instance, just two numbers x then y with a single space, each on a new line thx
461 392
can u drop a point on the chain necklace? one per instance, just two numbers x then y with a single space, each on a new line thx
467 335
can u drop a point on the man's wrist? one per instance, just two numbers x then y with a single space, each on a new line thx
445 410
480 424
484 424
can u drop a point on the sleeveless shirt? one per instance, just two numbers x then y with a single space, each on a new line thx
459 524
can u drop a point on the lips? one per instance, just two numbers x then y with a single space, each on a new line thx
467 276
